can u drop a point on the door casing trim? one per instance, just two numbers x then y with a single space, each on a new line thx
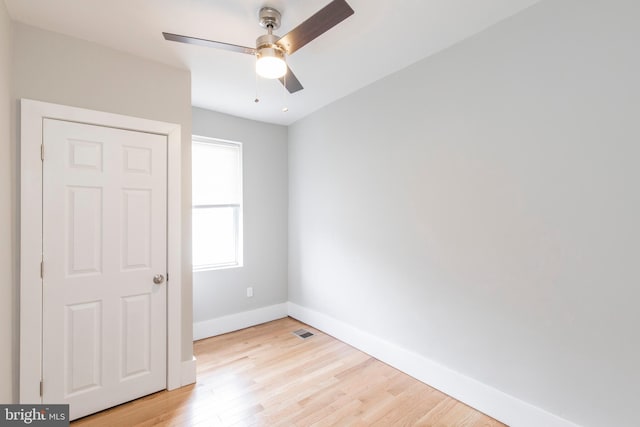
32 115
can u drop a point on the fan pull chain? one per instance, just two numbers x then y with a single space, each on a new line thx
257 99
284 92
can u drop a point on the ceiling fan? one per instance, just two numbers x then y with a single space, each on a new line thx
271 51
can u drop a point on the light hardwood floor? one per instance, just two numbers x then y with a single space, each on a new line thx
266 376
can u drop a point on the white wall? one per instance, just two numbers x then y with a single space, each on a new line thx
481 208
8 311
221 293
60 69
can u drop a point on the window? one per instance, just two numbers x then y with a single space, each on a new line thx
217 204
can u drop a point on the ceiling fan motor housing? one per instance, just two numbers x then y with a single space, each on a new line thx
266 46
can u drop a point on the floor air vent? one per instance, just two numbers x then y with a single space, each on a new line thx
302 333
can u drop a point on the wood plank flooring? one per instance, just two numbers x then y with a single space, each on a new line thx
266 376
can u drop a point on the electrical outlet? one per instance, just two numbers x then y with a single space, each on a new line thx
249 291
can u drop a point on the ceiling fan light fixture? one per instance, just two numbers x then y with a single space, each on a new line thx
270 63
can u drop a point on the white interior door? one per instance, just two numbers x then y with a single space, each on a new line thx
104 240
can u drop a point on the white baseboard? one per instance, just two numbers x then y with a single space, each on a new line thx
493 402
188 372
234 322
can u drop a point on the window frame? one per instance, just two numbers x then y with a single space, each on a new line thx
238 207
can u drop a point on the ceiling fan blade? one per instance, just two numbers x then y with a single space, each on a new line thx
291 82
325 19
209 43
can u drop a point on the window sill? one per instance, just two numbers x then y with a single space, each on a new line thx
215 268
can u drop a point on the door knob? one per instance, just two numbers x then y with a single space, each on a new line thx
158 279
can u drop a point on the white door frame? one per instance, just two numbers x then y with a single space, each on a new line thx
32 115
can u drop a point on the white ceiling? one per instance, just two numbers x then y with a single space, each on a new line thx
380 38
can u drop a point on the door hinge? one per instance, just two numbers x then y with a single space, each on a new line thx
42 269
42 152
41 388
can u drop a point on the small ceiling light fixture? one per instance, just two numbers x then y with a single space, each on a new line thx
270 62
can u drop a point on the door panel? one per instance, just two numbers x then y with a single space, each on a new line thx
82 345
84 228
136 325
104 228
136 230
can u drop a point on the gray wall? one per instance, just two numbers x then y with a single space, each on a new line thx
55 68
8 311
222 292
481 209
